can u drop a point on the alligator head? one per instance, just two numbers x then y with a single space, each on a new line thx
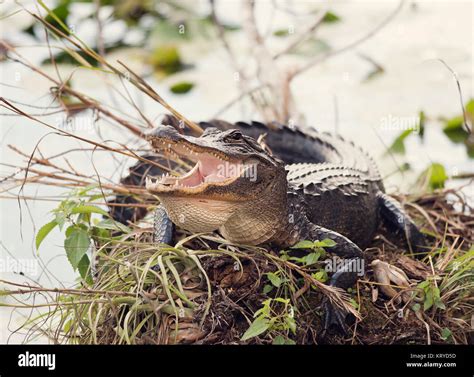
232 181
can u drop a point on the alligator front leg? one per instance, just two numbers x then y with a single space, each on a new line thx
162 226
344 275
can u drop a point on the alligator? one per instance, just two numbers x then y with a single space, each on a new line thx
275 184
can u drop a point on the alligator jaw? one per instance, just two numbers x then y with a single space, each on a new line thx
210 169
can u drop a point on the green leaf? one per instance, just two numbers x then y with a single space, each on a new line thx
76 246
112 225
61 13
327 242
264 311
284 257
84 268
421 124
331 17
67 325
436 176
446 333
429 300
470 110
454 129
311 258
44 231
60 219
166 59
297 259
440 304
279 340
321 275
354 303
274 279
290 321
182 87
469 143
267 288
281 32
424 285
259 326
303 245
63 211
88 209
433 177
231 27
398 146
69 230
311 47
456 132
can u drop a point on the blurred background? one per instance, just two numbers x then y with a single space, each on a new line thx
379 73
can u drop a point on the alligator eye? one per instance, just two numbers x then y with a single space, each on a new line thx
235 136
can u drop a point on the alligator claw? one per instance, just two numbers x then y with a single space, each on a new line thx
334 318
397 220
156 268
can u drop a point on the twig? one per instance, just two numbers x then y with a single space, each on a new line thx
100 37
67 90
304 35
468 129
320 58
65 133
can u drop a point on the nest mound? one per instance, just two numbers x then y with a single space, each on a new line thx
206 291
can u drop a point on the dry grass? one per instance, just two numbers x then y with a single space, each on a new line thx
206 291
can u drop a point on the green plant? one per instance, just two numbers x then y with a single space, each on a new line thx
454 128
317 249
431 293
276 315
82 231
309 260
166 59
181 87
434 177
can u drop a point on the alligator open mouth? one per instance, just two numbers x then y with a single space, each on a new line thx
210 168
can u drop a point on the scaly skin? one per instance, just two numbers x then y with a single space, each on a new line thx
313 186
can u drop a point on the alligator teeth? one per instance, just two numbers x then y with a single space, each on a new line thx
149 184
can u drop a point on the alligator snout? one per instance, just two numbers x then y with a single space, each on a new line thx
163 132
